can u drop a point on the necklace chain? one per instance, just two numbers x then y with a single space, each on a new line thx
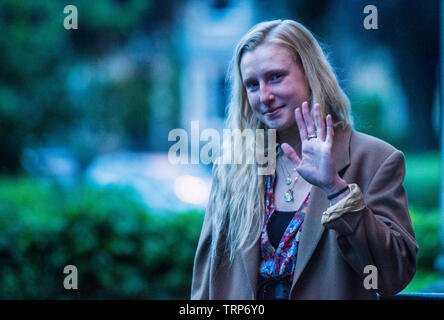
288 196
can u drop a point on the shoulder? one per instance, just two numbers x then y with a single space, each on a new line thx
362 144
371 156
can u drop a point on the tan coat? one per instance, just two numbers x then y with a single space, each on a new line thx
331 259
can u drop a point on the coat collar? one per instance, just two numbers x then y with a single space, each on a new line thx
312 227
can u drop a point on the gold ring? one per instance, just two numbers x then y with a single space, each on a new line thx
311 136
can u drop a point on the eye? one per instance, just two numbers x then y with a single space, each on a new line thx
275 76
251 85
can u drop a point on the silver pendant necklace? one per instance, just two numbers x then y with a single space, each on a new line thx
289 181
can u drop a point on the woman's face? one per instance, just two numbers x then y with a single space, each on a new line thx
275 85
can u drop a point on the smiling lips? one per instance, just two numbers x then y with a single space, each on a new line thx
272 112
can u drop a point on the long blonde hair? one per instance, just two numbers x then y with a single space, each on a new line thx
236 203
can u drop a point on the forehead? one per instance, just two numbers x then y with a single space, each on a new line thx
264 58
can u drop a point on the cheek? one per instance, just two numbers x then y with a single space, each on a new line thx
253 100
296 90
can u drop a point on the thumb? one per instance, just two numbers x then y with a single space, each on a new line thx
290 153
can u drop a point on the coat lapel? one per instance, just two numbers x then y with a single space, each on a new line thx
312 228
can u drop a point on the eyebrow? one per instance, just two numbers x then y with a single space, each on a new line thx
249 80
277 70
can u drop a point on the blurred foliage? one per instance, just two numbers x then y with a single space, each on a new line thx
423 170
422 280
121 250
426 227
367 115
422 184
66 87
423 179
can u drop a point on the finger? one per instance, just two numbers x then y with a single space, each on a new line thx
320 125
311 128
290 153
301 124
330 130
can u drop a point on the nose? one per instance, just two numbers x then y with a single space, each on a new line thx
266 94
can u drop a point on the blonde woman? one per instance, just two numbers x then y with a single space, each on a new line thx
331 222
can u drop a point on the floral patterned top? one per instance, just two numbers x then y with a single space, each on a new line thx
281 261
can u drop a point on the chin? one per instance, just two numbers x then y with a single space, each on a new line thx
278 125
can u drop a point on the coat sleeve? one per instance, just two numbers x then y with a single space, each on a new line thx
381 234
202 262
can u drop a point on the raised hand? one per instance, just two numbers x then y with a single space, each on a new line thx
316 164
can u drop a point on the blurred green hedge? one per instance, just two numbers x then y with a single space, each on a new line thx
426 225
423 178
121 250
422 183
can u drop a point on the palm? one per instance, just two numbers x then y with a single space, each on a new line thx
316 164
315 161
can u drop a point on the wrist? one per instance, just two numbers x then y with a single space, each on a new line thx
336 186
337 191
